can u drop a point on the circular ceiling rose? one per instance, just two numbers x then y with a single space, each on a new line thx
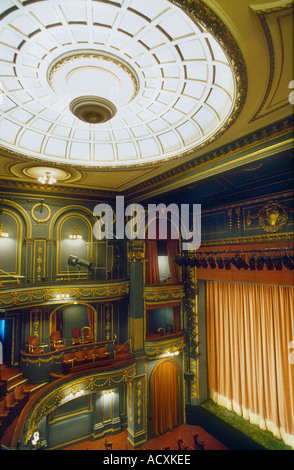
110 83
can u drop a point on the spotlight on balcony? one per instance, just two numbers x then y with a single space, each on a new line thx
78 263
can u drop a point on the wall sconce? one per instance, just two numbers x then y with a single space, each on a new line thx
75 235
3 233
47 178
62 296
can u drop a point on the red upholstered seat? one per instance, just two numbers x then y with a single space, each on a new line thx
56 341
33 345
87 335
76 339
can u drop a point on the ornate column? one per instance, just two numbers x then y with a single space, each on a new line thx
137 412
136 257
191 327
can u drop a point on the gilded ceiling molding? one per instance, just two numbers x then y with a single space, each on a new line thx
276 238
260 137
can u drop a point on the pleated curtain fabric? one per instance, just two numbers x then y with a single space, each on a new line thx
249 331
164 392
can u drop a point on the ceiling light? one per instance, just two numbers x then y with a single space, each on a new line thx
47 178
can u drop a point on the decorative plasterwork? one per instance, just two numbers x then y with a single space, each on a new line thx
24 296
191 85
272 217
276 19
163 293
157 348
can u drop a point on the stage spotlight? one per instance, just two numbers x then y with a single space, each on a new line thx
287 262
260 263
77 262
220 263
227 263
244 264
277 260
236 261
198 263
211 262
204 262
268 262
252 262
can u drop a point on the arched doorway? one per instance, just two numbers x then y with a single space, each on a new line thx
165 397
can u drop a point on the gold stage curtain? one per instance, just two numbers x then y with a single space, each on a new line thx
164 392
249 331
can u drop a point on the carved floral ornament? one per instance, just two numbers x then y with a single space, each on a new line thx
272 217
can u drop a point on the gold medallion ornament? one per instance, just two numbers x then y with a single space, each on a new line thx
38 209
272 217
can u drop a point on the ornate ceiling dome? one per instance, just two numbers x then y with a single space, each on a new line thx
110 83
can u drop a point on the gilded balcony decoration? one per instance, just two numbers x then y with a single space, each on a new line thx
165 347
163 293
55 395
47 294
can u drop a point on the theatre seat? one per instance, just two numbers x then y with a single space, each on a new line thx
32 343
79 357
56 341
76 339
87 335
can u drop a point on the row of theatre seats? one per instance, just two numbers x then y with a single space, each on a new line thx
11 405
95 358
